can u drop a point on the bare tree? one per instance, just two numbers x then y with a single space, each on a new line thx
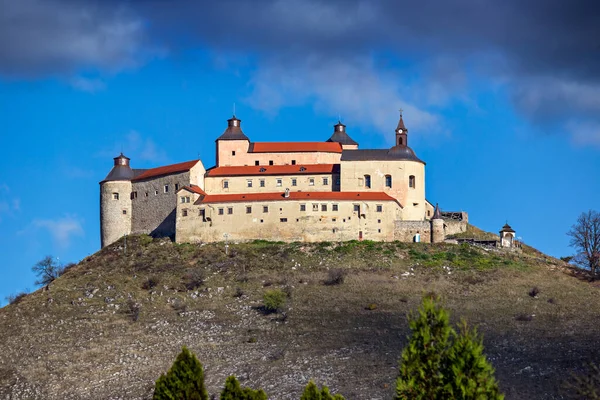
585 238
47 270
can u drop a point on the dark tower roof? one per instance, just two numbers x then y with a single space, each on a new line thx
401 124
121 170
233 131
340 135
507 228
437 214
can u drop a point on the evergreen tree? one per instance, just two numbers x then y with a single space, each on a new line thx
234 391
312 392
184 381
439 364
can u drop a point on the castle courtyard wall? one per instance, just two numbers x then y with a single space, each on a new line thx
406 231
284 221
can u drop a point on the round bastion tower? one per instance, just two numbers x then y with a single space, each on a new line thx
437 226
115 202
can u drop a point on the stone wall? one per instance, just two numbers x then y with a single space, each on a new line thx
452 226
154 204
285 220
239 184
405 231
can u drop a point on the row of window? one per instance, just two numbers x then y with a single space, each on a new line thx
134 195
257 162
279 182
265 209
366 181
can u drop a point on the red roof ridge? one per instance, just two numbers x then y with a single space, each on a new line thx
166 170
194 189
295 147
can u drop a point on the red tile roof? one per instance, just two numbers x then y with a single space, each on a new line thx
194 189
166 170
252 197
295 147
273 170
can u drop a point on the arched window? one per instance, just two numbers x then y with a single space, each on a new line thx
368 181
388 181
411 181
400 143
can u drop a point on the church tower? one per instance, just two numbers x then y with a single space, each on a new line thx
401 133
115 202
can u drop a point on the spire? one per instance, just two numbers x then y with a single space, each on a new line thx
401 133
437 214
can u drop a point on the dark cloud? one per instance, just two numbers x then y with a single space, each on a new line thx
546 52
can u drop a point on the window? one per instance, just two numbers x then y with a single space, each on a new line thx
270 162
411 181
229 210
265 209
115 196
378 221
176 186
378 230
225 184
337 181
293 162
146 194
282 219
294 182
325 181
124 212
156 192
262 220
133 195
302 207
184 213
428 213
388 181
256 162
379 208
334 207
368 181
263 169
221 211
302 169
166 188
202 214
311 181
334 219
262 183
248 209
249 182
323 207
415 204
185 199
315 207
279 182
233 153
357 208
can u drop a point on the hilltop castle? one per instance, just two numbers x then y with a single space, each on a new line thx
289 191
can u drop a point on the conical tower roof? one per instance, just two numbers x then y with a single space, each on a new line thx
340 136
437 214
507 228
121 170
233 131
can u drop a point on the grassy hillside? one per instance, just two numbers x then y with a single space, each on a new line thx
112 324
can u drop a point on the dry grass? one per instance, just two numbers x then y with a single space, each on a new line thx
348 336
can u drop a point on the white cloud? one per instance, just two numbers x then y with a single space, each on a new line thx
61 229
584 133
9 205
89 85
138 147
355 88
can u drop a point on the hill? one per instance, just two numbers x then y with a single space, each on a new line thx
112 324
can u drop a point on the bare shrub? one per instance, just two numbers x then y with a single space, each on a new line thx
524 317
194 278
151 283
551 300
47 270
179 305
238 292
335 276
16 298
534 292
133 309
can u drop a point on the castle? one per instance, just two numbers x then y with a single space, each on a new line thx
284 191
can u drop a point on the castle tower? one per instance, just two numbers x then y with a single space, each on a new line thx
339 135
507 236
437 226
401 133
231 143
115 202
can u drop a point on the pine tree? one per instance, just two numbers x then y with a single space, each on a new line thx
472 376
234 391
422 363
312 392
184 381
439 364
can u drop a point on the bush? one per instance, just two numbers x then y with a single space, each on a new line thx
15 298
585 386
47 270
274 300
534 292
185 380
133 309
233 391
312 392
194 278
439 364
151 283
335 276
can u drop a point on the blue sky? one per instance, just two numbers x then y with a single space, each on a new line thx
501 100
